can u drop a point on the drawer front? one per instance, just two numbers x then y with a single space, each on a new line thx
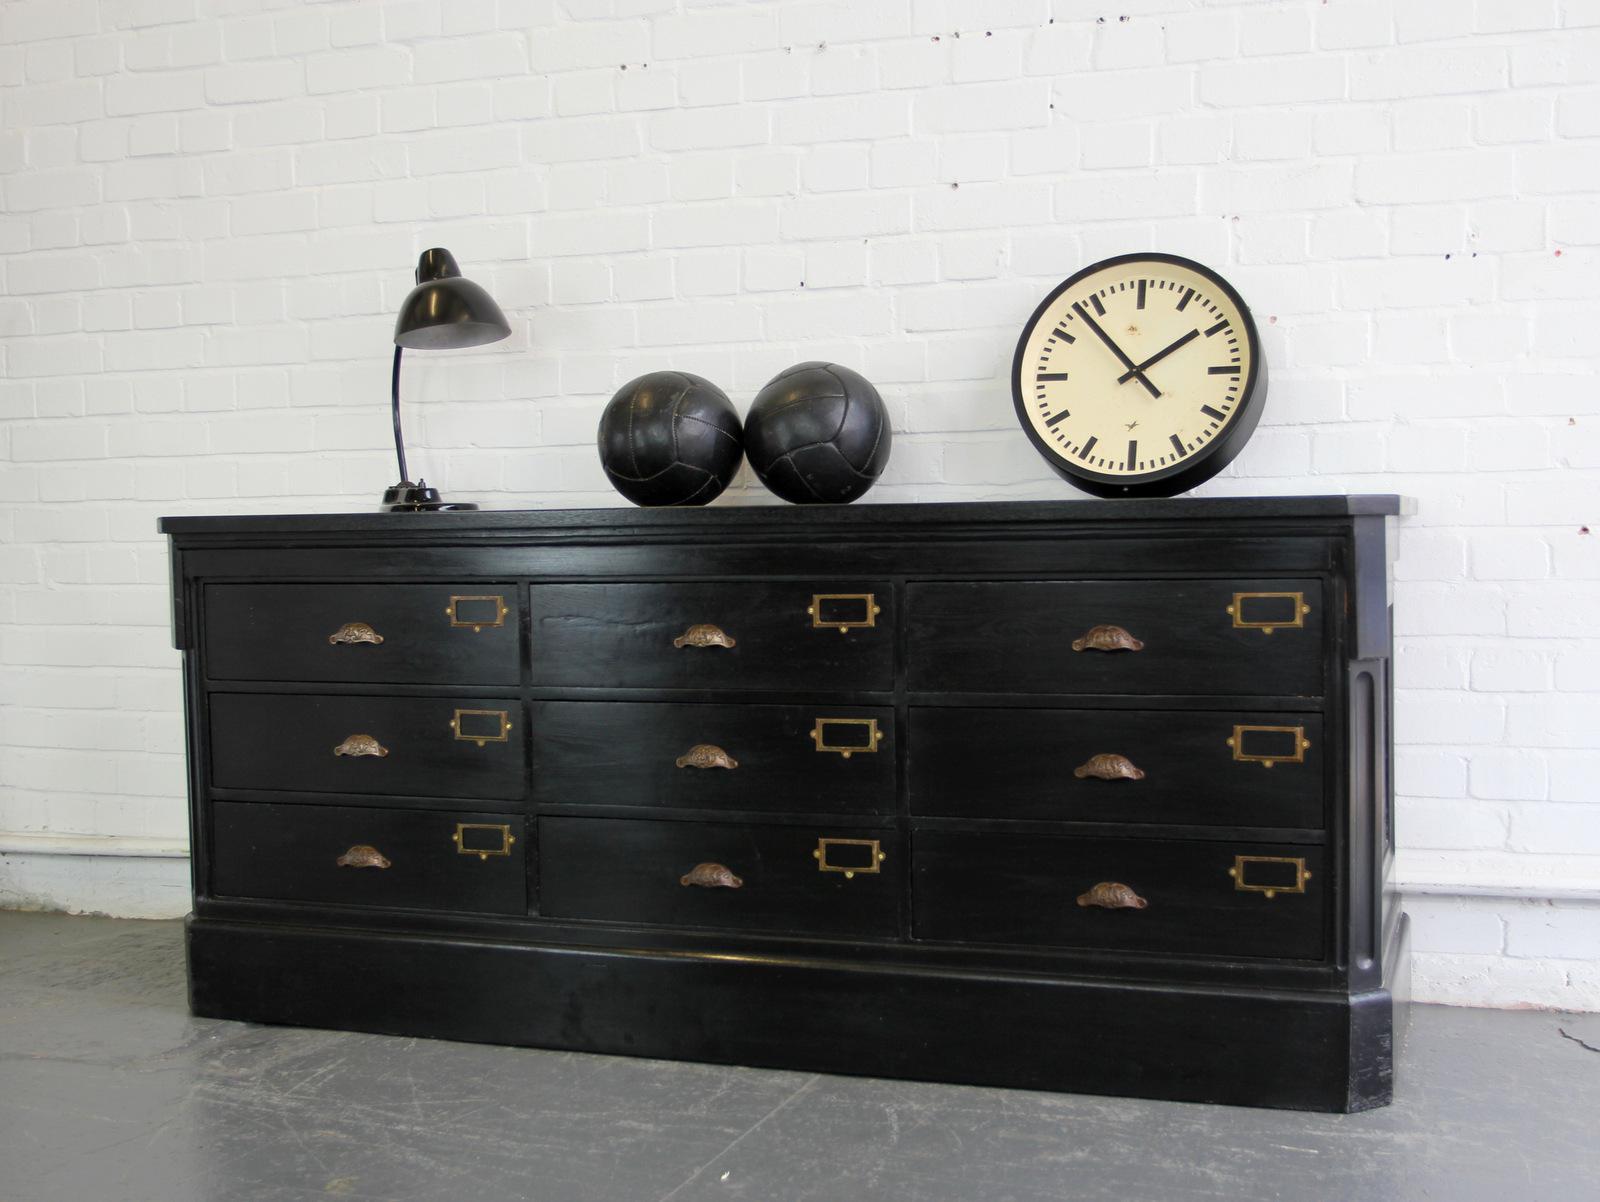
411 746
407 859
820 758
790 636
1178 637
388 633
621 870
1198 897
1073 765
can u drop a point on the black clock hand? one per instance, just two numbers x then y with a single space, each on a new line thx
1157 357
1116 350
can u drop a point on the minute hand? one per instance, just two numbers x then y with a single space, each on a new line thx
1157 357
1116 350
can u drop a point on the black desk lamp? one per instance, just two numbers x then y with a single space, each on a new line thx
443 312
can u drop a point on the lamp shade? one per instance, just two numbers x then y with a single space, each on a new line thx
445 311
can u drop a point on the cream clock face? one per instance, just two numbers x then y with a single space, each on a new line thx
1139 376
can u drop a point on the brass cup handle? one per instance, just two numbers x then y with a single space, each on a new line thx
355 632
361 745
706 755
1112 895
710 875
363 855
1107 638
704 634
1107 766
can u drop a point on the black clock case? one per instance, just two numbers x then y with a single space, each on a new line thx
1204 463
582 939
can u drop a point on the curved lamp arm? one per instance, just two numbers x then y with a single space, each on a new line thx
399 441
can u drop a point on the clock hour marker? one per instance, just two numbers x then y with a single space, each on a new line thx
1221 325
1212 413
1056 419
1087 447
1177 445
1140 303
1133 454
1061 333
1187 296
1100 310
1227 369
1051 375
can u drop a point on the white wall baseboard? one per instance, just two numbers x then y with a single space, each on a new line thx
1502 983
24 843
94 874
1498 874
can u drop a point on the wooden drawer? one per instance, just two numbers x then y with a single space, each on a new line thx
426 633
292 853
1195 767
1035 637
411 746
621 870
1024 889
735 635
818 758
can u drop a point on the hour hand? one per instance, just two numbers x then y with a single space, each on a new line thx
1158 356
1133 371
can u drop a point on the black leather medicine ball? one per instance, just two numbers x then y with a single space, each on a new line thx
818 433
670 438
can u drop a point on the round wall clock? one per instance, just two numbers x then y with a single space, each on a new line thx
1141 376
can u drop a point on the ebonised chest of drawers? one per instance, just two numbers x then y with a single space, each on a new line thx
1083 795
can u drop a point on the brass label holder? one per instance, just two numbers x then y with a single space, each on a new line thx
1297 621
875 857
819 736
503 717
1242 863
477 624
1297 736
483 853
870 609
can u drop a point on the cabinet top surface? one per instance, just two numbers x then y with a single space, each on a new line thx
864 519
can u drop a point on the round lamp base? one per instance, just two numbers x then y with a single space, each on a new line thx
407 497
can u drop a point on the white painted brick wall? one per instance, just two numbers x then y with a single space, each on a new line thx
211 210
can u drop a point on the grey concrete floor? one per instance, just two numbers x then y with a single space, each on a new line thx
110 1090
